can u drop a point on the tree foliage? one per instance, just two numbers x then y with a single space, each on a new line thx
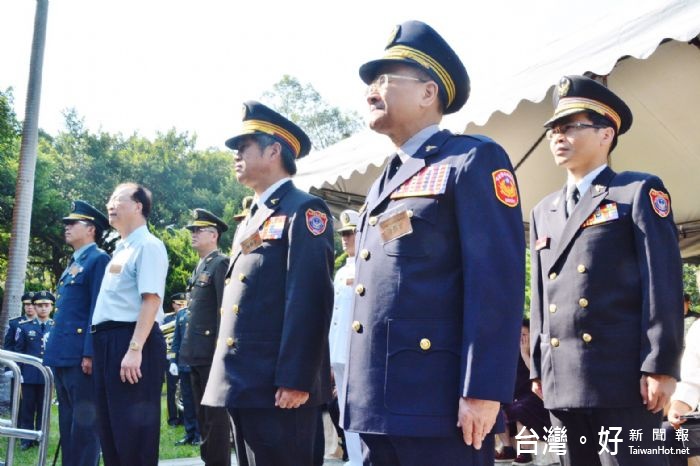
302 104
80 164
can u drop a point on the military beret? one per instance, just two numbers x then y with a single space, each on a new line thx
348 220
259 119
417 44
576 94
247 203
28 297
81 210
204 218
41 297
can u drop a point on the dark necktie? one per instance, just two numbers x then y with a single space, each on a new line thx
571 201
253 209
43 327
391 170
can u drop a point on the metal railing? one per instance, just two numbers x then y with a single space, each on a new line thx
9 427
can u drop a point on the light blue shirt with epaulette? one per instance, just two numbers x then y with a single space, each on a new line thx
139 265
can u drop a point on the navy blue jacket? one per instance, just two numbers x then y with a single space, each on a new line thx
182 319
437 311
277 306
607 292
11 335
31 340
77 291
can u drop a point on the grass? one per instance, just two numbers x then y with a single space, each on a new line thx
168 437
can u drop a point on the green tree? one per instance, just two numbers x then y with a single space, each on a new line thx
302 104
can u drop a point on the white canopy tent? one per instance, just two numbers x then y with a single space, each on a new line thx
650 55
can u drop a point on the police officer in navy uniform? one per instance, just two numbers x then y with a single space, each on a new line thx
69 349
271 367
28 314
440 270
31 339
206 289
10 336
175 415
182 372
607 297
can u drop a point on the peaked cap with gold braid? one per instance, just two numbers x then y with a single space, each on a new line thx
259 119
576 94
417 44
203 218
81 210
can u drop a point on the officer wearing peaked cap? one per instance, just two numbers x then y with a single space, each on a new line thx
206 288
246 203
31 339
439 280
69 350
271 366
606 308
341 322
29 313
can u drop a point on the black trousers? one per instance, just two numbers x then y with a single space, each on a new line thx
128 415
390 450
77 417
189 414
274 436
175 416
214 423
588 423
30 415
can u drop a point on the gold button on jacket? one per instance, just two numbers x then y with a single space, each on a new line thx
583 302
425 344
554 342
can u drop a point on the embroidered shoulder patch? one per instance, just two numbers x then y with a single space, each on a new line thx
429 181
506 189
273 227
316 221
660 202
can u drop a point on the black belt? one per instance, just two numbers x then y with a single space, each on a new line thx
110 325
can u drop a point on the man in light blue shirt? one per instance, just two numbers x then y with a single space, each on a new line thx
129 359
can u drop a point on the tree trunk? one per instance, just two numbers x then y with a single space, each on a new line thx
24 193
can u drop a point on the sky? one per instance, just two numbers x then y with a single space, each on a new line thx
150 65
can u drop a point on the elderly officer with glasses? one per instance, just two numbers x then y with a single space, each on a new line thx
69 349
439 280
607 290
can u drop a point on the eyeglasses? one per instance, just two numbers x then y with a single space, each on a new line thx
199 229
382 81
569 128
73 222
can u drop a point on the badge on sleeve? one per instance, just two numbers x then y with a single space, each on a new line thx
273 227
316 221
660 202
506 189
429 181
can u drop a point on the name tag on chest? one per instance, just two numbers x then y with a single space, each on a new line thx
251 243
115 268
395 226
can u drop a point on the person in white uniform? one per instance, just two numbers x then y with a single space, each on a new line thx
341 322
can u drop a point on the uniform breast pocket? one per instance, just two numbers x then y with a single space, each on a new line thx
423 215
118 276
203 280
77 280
422 367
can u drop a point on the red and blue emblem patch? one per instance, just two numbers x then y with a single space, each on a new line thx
316 221
660 202
506 189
